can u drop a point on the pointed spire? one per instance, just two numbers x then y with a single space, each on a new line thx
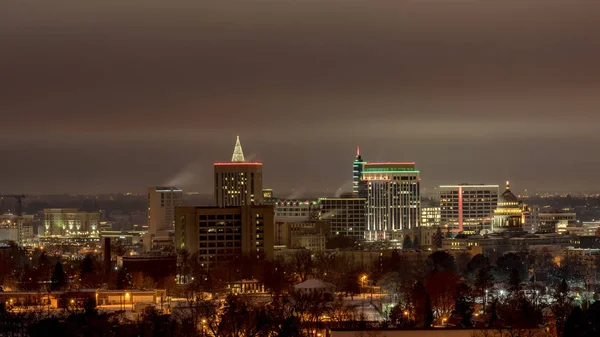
358 150
507 185
238 154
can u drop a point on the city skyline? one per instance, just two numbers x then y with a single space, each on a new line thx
129 96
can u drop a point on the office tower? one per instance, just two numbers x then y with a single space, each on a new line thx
357 167
346 216
70 222
222 234
238 183
162 201
508 216
393 195
467 207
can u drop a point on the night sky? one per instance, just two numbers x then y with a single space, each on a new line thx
107 96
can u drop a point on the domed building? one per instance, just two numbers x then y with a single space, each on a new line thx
508 216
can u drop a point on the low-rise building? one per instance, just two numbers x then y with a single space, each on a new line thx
70 222
311 235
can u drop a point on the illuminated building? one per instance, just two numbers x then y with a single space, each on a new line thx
70 222
238 183
291 210
467 207
17 228
508 216
357 167
393 198
220 234
346 216
161 208
268 196
547 220
430 216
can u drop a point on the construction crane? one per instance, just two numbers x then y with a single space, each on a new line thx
19 198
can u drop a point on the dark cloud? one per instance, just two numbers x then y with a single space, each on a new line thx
117 95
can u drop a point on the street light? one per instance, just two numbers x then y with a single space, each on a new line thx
203 325
363 280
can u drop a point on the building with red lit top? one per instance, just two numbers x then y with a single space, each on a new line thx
238 183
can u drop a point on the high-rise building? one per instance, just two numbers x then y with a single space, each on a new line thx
393 196
346 216
221 234
467 207
70 222
162 201
508 216
357 167
238 183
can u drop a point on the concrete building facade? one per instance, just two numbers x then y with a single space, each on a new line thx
70 222
162 201
346 216
393 198
225 233
467 207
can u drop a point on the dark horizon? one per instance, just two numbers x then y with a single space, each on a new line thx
119 96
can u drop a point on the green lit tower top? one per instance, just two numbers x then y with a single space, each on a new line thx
357 168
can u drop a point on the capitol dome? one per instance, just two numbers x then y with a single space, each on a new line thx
509 213
507 199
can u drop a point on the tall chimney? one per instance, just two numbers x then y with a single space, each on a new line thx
107 255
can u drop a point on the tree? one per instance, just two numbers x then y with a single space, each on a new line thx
441 288
514 282
493 313
576 324
438 238
44 266
421 303
407 244
478 262
484 280
462 260
441 261
59 278
399 317
506 264
301 265
351 284
415 243
123 280
463 305
562 306
89 272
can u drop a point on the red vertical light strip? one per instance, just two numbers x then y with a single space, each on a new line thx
460 209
